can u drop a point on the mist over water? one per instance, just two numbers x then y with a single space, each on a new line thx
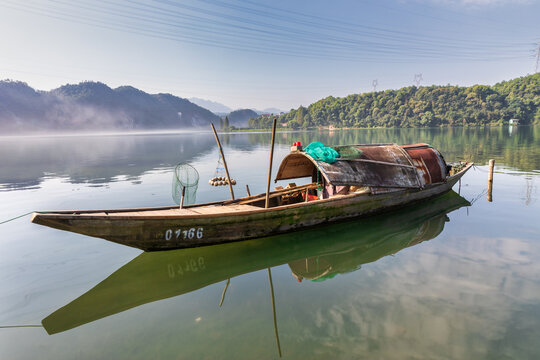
458 278
94 107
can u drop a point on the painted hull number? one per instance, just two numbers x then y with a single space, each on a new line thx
180 234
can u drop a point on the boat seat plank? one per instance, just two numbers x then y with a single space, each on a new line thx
277 193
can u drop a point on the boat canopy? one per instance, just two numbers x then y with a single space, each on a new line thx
384 165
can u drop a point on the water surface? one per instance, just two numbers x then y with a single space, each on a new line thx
458 277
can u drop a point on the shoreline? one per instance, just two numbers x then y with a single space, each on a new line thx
235 131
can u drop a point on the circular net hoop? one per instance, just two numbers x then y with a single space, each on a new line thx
185 176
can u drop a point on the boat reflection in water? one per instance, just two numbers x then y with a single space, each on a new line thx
315 254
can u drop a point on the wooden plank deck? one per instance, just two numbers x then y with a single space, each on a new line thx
203 210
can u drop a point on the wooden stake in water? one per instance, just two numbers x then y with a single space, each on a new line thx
270 166
490 180
224 162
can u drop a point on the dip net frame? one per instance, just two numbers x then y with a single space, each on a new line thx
185 177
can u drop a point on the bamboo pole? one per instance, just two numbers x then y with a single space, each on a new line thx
224 161
490 180
270 166
274 310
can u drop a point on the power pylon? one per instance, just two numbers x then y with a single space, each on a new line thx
537 58
418 78
374 84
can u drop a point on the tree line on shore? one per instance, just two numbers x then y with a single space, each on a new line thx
425 106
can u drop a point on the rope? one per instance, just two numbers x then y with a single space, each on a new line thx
500 172
220 168
487 171
475 199
482 170
15 218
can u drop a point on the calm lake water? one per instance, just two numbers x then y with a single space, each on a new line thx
454 278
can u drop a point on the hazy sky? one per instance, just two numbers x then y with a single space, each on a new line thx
283 53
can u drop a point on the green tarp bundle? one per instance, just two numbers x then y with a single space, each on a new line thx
318 151
349 152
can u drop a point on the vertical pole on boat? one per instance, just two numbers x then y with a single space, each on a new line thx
270 166
490 180
274 311
182 198
247 189
224 162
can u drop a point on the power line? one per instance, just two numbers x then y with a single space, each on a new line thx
269 33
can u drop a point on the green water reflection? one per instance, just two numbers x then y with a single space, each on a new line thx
315 254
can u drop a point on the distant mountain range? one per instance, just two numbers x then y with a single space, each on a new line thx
223 110
94 106
274 111
213 106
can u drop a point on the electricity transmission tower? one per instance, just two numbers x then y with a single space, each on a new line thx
417 79
537 58
374 84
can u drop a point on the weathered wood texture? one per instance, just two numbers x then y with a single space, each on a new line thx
490 180
383 166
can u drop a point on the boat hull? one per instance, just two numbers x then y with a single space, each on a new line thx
153 232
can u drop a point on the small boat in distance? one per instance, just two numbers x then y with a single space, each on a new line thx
362 180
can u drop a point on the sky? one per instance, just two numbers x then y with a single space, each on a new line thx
261 54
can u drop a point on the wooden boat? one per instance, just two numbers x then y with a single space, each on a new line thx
365 180
335 249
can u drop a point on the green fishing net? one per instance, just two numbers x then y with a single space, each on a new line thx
185 176
318 151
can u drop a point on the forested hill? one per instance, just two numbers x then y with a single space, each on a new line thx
240 118
94 106
422 107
